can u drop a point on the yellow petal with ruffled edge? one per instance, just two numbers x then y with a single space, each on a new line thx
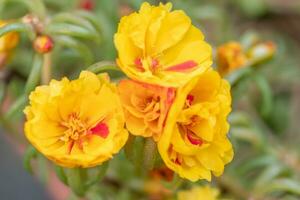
194 141
160 46
72 123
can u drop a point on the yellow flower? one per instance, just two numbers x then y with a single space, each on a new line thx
194 142
146 107
230 57
77 123
7 43
199 193
160 46
9 40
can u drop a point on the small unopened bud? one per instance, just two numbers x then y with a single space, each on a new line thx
261 51
43 44
230 57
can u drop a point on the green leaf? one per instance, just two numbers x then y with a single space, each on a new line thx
35 74
76 45
280 117
93 19
37 7
17 27
30 153
283 185
266 94
247 134
71 30
239 118
34 6
72 18
105 25
257 162
268 174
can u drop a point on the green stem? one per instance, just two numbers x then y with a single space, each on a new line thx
61 174
76 181
35 74
30 153
149 154
46 69
100 174
103 67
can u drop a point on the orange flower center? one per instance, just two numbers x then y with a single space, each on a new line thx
174 156
152 64
190 135
77 130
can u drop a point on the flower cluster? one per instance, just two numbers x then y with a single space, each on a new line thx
172 95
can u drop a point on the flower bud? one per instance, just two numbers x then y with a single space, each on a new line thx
43 44
261 52
230 57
